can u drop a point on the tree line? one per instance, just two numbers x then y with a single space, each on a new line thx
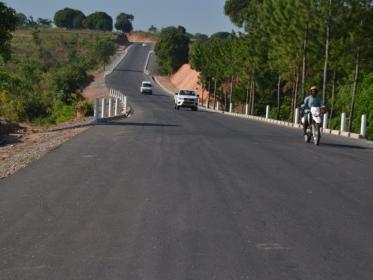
285 47
75 19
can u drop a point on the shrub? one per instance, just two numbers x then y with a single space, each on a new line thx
10 108
62 112
85 108
66 81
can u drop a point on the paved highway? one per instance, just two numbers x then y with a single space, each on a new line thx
174 195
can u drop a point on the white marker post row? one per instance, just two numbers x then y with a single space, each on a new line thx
363 124
343 128
118 97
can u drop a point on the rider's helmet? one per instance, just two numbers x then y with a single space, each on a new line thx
314 90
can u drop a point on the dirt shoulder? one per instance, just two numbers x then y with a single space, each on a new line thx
19 149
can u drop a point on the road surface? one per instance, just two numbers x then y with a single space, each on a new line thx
174 195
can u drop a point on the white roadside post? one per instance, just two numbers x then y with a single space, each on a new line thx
325 121
343 121
363 128
96 109
246 109
230 107
267 112
122 101
103 108
110 105
125 104
116 107
296 116
217 106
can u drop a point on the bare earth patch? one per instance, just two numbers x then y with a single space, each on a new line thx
135 37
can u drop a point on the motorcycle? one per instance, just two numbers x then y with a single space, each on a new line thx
314 118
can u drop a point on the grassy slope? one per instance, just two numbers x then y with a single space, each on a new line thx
54 52
55 42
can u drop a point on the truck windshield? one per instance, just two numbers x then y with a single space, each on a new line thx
147 85
187 92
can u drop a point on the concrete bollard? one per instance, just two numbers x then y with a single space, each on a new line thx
267 112
246 109
325 121
217 106
296 116
230 107
116 106
103 108
96 109
363 126
343 122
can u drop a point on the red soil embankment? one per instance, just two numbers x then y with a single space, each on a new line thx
187 78
139 37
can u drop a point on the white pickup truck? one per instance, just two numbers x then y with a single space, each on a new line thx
146 87
186 98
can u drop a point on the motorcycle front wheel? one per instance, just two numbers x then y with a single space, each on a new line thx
316 134
307 138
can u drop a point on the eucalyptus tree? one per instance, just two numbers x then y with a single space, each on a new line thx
360 41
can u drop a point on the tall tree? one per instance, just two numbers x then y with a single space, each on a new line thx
69 18
21 20
153 29
99 21
327 47
8 23
124 22
361 42
172 49
44 22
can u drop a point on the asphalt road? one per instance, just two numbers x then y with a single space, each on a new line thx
175 195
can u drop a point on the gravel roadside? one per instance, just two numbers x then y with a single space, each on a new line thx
20 149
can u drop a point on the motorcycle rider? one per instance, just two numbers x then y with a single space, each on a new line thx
311 101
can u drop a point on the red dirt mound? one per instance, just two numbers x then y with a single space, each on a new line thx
139 37
187 78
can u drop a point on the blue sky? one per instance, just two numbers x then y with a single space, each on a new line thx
204 16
